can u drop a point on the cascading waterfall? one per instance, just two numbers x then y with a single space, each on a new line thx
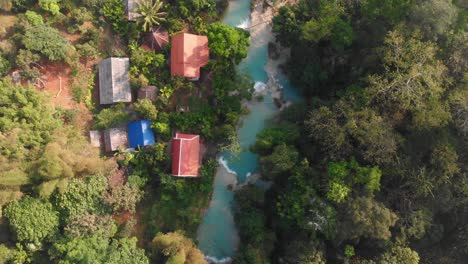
217 235
245 24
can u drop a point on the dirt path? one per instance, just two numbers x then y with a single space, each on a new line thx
56 81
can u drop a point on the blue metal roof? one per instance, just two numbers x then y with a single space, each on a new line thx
140 134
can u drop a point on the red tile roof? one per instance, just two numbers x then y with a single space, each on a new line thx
185 155
188 53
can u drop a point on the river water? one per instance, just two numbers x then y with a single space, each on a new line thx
217 235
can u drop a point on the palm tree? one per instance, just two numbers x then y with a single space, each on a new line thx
150 13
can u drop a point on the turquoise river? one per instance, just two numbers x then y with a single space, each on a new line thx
217 235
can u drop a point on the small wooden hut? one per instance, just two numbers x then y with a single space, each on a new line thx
115 139
148 92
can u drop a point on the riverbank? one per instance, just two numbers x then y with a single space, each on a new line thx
261 29
217 236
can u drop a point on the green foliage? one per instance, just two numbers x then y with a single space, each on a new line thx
81 196
444 161
87 224
110 117
367 218
286 26
4 66
304 250
344 175
300 206
25 109
313 22
413 76
51 165
337 192
25 58
114 12
317 29
416 224
47 41
191 194
391 10
26 125
271 137
34 18
161 127
22 5
32 220
192 8
373 138
434 17
349 251
400 254
459 107
6 254
174 248
87 50
379 91
99 249
228 44
342 34
146 109
50 5
282 160
123 198
150 13
146 62
250 220
197 121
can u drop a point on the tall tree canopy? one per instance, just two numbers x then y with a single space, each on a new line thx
32 220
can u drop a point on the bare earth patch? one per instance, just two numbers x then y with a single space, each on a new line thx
56 79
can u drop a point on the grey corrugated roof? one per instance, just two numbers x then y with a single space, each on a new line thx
114 81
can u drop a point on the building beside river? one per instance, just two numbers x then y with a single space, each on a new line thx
189 53
185 155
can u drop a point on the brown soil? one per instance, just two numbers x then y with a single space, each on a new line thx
122 217
139 230
56 80
117 178
73 38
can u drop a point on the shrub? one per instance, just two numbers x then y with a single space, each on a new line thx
47 41
110 117
32 219
34 18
